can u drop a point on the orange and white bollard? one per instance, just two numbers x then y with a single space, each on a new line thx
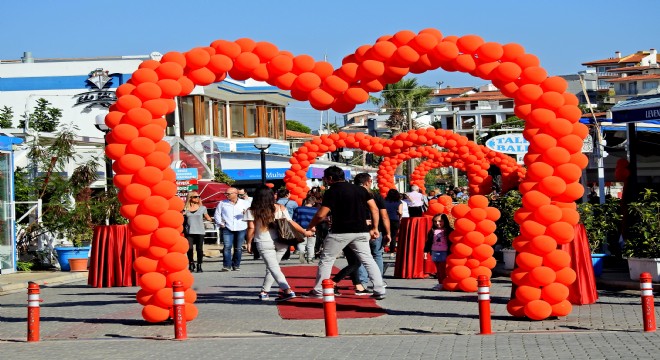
180 332
483 293
330 308
648 307
33 312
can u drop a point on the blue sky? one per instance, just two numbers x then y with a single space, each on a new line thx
562 33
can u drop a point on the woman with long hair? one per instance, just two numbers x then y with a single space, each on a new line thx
261 229
194 214
394 211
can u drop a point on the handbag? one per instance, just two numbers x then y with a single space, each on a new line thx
286 233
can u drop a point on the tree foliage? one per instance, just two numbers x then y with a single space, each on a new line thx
294 125
395 99
43 118
6 114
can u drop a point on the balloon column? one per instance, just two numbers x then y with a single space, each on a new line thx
148 192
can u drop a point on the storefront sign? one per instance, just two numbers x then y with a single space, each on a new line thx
100 95
508 144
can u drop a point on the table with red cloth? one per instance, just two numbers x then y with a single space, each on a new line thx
410 263
112 256
583 290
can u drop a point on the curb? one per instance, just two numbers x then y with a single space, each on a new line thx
55 279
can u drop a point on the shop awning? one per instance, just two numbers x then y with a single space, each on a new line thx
637 109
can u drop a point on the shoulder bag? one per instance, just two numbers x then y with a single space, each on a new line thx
286 233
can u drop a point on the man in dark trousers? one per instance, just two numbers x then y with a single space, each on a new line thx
348 204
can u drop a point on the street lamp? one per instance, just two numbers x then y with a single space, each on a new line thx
347 155
101 126
262 143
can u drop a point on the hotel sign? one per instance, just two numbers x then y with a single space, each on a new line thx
100 94
508 144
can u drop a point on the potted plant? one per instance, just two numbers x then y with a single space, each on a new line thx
600 221
642 242
70 207
507 228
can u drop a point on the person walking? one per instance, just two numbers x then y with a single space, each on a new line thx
349 204
194 214
376 244
394 208
261 230
437 245
229 217
303 215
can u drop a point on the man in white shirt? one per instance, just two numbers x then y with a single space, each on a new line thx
229 217
415 202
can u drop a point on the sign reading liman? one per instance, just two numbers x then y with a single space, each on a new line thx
508 144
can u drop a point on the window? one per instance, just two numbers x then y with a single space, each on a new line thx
251 120
649 85
632 88
187 115
237 121
623 89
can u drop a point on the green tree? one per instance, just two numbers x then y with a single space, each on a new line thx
333 128
6 114
395 99
294 125
222 177
43 118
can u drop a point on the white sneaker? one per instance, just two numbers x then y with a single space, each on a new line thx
438 287
301 258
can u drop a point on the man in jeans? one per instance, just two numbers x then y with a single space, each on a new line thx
349 205
376 245
229 217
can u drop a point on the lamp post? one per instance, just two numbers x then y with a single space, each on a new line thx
347 155
101 126
262 144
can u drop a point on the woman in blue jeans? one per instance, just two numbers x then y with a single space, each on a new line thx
261 219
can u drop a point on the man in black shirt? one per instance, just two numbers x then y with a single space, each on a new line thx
349 205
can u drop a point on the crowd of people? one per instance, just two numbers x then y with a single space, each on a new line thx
345 218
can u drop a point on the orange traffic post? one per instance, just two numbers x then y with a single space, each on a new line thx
330 308
180 332
483 293
648 307
33 312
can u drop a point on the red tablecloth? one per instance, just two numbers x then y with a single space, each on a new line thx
111 261
410 263
583 291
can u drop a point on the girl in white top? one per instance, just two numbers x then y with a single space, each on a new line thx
260 218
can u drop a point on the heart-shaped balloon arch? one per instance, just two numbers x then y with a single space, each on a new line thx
147 187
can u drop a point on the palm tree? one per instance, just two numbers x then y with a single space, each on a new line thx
396 98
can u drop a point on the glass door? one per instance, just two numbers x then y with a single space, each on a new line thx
7 245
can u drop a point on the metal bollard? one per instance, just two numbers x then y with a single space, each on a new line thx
33 312
483 293
648 307
180 332
329 308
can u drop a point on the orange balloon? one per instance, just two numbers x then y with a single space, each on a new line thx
468 284
148 176
158 160
144 75
140 146
152 281
526 293
566 276
174 262
163 298
140 242
458 273
166 237
143 296
461 249
153 205
542 276
542 245
184 276
528 261
170 218
554 293
557 260
486 227
473 238
482 252
516 308
562 232
154 314
144 224
181 244
144 264
538 310
460 210
464 225
548 214
130 163
562 308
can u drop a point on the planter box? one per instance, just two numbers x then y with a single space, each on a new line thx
638 266
509 258
598 260
66 253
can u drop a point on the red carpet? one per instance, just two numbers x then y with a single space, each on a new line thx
349 306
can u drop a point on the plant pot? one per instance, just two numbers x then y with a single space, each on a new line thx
598 260
509 258
66 253
78 264
637 266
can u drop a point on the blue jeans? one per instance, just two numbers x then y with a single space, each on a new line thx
376 246
233 239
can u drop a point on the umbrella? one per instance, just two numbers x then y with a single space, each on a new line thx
211 192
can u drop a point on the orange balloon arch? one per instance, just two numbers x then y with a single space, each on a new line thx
146 183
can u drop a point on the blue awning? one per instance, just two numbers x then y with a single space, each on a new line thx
6 142
637 109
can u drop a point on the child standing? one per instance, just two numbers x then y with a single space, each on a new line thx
437 243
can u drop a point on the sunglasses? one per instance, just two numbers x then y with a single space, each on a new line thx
194 197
